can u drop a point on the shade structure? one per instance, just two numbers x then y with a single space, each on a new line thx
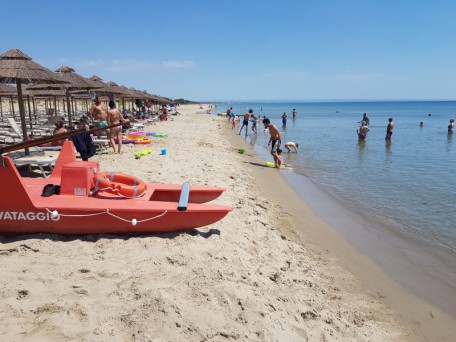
73 82
16 67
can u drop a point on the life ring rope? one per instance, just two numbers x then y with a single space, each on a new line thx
120 184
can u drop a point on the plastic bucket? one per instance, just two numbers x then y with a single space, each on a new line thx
163 152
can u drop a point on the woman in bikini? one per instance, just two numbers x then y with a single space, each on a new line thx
115 117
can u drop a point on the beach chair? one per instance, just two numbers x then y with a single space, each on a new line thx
38 156
48 159
101 144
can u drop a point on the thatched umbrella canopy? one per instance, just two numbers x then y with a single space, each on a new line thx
105 88
16 67
124 92
138 94
73 82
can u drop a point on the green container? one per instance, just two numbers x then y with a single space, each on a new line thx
241 151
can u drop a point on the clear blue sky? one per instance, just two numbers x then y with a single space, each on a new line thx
246 49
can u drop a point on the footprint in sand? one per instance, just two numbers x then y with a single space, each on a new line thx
21 294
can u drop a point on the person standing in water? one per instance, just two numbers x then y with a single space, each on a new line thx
389 129
365 119
254 123
451 126
274 142
245 122
362 131
284 119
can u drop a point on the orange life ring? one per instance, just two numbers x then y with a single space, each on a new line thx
119 184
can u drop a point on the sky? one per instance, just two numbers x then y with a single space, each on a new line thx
246 49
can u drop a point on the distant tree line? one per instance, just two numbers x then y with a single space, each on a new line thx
184 101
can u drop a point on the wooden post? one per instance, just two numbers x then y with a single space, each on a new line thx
30 115
67 93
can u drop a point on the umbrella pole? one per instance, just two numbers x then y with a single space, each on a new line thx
12 108
22 113
30 115
55 105
67 93
34 107
1 106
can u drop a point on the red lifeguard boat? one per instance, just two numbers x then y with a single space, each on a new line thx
82 207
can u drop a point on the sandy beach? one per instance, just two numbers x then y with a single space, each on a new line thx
269 271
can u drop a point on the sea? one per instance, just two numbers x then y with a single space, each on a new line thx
395 201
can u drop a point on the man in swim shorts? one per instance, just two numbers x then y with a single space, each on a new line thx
246 122
389 129
98 114
274 141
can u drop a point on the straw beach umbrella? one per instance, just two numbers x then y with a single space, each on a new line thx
16 67
73 82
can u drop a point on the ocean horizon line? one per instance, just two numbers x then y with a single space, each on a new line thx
326 100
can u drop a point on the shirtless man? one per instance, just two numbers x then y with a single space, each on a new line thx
115 117
274 141
245 122
290 145
389 129
98 114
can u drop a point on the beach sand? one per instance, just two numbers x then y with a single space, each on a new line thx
265 272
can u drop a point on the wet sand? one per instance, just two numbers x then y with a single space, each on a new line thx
425 321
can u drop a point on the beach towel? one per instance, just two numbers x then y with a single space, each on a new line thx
84 145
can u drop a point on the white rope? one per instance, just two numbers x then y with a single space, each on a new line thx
81 215
55 213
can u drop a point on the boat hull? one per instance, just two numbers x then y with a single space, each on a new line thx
80 209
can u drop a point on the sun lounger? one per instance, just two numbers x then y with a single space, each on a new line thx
101 144
41 161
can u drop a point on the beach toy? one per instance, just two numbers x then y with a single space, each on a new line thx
143 141
241 151
163 152
137 135
274 165
160 135
142 153
124 141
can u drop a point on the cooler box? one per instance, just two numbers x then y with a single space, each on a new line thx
77 178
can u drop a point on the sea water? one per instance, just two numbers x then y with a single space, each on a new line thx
407 185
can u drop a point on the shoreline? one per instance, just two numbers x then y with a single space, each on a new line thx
425 320
412 263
